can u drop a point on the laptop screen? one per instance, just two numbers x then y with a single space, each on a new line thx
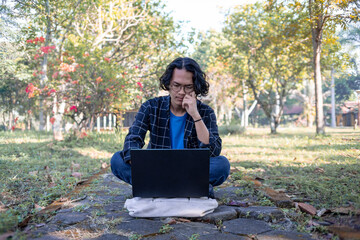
170 172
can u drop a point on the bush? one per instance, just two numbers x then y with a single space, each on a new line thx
231 129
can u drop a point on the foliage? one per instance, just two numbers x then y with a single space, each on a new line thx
231 129
264 42
94 56
323 18
224 89
13 73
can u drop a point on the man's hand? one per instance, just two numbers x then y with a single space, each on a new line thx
189 103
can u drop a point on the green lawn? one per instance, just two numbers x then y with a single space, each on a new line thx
323 169
34 170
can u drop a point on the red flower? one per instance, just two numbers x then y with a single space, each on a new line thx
55 75
136 67
87 97
29 41
15 120
41 39
107 89
30 88
83 134
99 79
139 84
13 128
73 108
52 120
51 91
107 59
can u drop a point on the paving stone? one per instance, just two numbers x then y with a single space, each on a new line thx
244 226
110 237
223 236
46 237
222 213
283 235
260 212
69 218
42 233
140 226
183 231
232 193
110 202
125 217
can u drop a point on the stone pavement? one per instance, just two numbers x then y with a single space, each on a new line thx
98 213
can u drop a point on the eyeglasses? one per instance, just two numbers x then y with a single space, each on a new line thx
177 87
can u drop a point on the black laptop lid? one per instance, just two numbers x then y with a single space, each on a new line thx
170 172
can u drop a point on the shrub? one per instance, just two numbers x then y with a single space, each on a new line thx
231 129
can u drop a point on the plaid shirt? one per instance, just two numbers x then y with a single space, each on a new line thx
154 115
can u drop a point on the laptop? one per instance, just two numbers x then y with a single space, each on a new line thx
170 173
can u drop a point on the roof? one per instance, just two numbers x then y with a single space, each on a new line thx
296 109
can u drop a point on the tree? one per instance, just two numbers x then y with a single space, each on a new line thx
264 43
324 16
119 51
106 52
50 19
13 74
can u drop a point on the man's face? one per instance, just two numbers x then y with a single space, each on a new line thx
181 84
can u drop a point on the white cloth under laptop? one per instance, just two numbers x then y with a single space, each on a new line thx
170 207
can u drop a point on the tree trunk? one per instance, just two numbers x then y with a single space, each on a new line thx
319 120
58 136
11 118
43 78
92 123
245 114
273 125
317 21
333 113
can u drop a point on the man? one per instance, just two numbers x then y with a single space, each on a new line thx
176 121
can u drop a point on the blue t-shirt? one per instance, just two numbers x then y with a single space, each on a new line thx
177 129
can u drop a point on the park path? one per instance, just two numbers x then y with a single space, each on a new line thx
96 212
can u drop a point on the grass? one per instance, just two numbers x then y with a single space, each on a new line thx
35 170
325 170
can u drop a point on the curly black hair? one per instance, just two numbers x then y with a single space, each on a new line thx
201 86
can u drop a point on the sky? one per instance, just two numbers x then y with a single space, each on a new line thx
201 14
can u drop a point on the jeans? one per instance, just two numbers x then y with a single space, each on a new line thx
219 169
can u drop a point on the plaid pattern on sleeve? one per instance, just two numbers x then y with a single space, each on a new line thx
154 115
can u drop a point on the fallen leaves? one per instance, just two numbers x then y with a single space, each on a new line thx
307 208
319 170
344 232
346 210
77 175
